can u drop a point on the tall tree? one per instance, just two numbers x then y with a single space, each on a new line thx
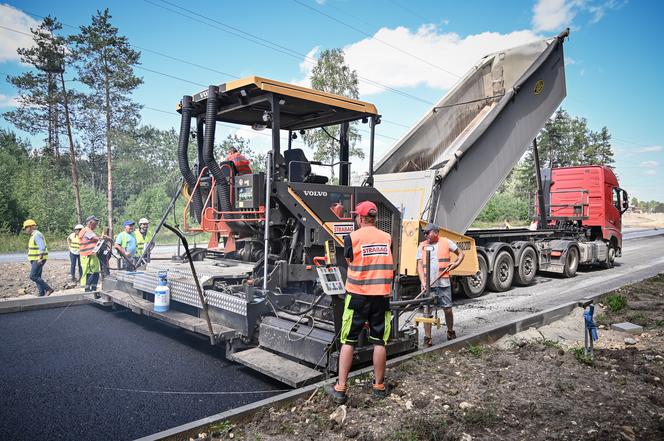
331 74
105 63
41 96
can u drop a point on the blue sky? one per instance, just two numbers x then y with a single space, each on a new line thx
613 55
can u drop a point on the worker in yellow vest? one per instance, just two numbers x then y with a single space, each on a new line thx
74 244
142 235
37 256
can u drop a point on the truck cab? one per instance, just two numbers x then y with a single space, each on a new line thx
590 196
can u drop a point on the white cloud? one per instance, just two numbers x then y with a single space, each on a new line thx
651 149
553 15
306 67
649 164
650 172
374 58
10 41
8 101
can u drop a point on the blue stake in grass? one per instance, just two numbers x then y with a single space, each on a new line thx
589 328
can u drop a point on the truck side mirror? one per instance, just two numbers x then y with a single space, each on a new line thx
625 202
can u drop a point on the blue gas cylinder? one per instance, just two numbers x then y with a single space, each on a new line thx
162 294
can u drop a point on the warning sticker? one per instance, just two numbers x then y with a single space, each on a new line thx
375 249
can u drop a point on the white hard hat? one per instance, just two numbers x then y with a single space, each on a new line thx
78 227
143 220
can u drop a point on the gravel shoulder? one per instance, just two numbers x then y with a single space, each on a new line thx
536 385
15 278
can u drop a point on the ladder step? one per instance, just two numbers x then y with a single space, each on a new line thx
277 367
177 318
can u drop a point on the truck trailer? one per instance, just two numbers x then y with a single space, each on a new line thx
269 285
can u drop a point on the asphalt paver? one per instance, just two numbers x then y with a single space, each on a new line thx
83 372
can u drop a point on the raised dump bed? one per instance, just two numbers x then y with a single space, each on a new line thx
475 135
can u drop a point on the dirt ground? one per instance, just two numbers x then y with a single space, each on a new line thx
537 385
643 220
15 278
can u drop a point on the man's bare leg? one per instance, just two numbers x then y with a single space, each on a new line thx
379 360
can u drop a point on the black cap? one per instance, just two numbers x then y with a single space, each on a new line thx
431 227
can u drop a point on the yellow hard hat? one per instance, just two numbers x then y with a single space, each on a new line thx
29 223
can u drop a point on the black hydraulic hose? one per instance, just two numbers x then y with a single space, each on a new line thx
199 290
183 159
223 190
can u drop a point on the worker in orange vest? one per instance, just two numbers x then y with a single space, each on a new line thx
440 250
368 252
241 162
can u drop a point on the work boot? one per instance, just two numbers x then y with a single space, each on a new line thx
451 335
428 342
49 292
337 393
379 391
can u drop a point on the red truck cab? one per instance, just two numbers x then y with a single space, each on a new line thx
591 196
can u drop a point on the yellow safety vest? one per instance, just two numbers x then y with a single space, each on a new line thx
74 243
141 241
33 249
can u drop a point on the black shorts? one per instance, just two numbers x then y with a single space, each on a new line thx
359 310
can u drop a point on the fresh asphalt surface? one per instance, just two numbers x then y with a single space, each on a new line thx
84 373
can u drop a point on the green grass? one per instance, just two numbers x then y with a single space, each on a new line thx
616 302
548 343
581 357
12 243
222 427
476 350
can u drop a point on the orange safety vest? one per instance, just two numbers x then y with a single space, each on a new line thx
241 163
372 270
443 255
87 246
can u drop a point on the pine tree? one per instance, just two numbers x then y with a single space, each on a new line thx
41 96
105 63
331 74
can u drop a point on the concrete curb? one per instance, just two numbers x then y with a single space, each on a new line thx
52 301
192 429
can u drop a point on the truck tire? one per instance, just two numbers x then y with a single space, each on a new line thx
526 270
473 286
571 262
610 257
503 273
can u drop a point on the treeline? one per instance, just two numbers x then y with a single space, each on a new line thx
564 141
647 206
96 157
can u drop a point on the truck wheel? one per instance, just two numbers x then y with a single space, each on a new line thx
473 286
610 257
571 262
503 273
527 268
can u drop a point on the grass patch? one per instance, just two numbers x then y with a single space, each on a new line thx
422 427
222 427
479 416
581 357
476 350
616 302
548 343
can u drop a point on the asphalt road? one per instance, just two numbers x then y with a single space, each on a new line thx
643 257
77 374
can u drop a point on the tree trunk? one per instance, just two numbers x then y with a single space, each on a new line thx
72 151
109 158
